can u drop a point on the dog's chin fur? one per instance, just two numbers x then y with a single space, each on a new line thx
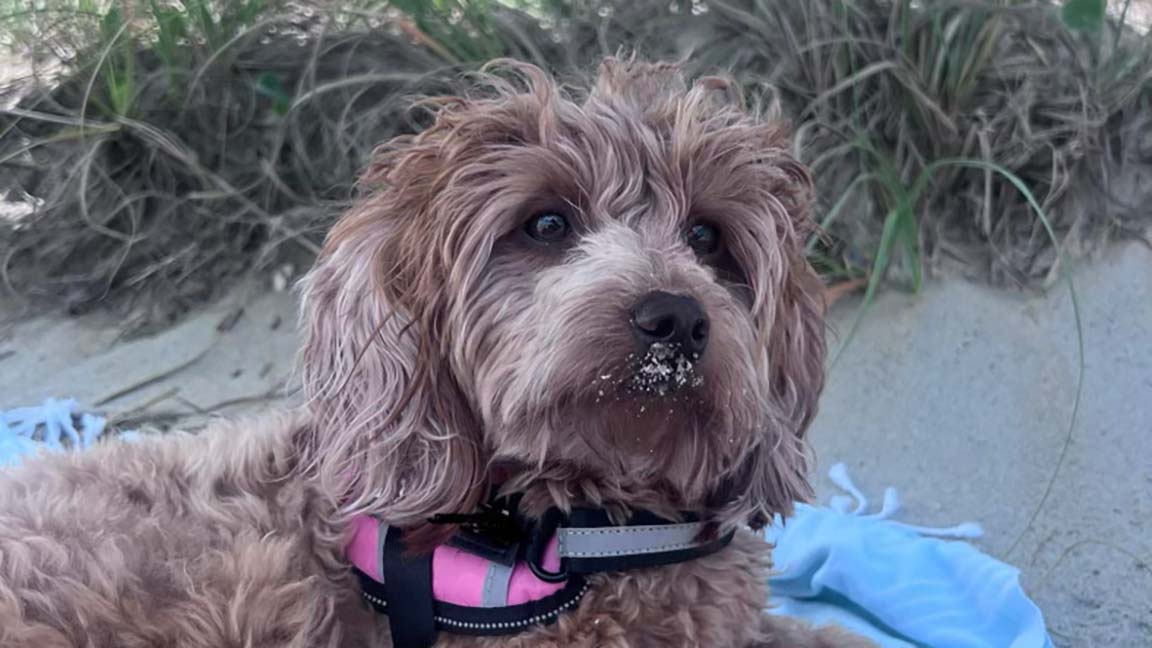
446 352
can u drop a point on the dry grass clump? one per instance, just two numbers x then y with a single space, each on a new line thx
885 89
193 141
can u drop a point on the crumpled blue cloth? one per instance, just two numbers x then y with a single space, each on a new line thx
894 583
54 425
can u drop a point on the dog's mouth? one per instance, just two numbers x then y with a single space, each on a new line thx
662 370
661 373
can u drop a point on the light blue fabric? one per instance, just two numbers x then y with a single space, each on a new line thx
52 426
892 583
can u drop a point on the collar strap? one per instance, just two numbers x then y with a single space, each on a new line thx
588 542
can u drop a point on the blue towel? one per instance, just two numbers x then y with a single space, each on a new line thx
55 425
895 583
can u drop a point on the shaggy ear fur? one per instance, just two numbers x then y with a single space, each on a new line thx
796 348
795 352
391 433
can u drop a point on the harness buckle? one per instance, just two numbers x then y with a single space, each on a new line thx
493 532
541 533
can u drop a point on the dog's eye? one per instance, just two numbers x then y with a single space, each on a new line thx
547 227
704 239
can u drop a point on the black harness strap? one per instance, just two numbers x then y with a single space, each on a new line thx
408 594
510 619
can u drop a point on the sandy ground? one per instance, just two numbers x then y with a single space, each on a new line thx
960 397
235 356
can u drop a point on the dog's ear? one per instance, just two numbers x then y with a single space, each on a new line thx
791 321
773 476
795 338
796 350
390 432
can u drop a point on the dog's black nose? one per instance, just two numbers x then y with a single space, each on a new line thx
675 320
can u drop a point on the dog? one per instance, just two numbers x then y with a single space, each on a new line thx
590 298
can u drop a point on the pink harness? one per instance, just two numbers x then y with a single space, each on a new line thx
503 574
458 577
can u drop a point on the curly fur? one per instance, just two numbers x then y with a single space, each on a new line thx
428 321
444 350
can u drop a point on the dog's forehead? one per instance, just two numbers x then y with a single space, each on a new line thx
487 166
619 160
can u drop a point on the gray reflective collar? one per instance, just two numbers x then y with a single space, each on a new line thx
612 541
588 542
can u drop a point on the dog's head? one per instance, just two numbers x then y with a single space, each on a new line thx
602 293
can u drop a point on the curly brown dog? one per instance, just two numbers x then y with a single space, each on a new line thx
582 299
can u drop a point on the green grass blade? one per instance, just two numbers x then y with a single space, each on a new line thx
879 264
170 29
105 69
1085 15
910 239
198 9
837 207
